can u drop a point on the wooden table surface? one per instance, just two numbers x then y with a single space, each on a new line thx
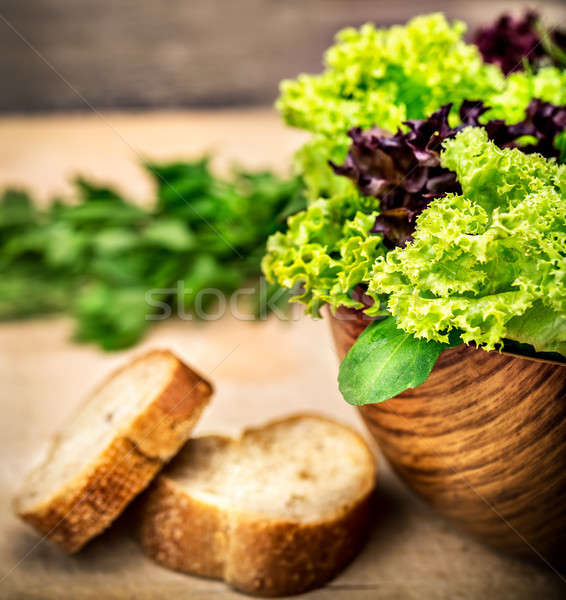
261 370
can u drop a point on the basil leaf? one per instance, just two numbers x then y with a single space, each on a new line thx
384 362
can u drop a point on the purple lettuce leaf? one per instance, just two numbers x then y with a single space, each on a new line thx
511 42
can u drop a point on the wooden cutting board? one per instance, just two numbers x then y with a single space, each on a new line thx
261 370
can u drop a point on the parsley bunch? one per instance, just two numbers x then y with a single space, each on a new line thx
97 258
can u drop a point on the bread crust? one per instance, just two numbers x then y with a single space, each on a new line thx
164 534
253 553
92 500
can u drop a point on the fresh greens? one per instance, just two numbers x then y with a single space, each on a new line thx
384 362
404 172
384 77
116 266
491 262
515 42
487 266
378 77
327 250
486 263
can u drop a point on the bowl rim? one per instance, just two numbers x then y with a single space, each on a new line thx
541 359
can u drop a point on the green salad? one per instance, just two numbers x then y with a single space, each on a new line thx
490 262
436 191
386 76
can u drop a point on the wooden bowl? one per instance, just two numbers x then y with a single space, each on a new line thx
483 440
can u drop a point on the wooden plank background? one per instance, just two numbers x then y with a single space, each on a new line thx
174 53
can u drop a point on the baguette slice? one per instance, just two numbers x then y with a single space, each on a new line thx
112 447
278 511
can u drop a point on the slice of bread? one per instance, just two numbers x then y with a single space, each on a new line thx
278 511
112 447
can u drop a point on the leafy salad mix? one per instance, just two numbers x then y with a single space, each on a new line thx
436 187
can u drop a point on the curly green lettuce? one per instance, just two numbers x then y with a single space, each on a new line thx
385 76
548 84
326 251
377 77
490 263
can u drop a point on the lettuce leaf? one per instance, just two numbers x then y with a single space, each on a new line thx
547 84
326 251
516 42
491 262
386 76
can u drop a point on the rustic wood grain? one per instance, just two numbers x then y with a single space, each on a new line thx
142 53
483 440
